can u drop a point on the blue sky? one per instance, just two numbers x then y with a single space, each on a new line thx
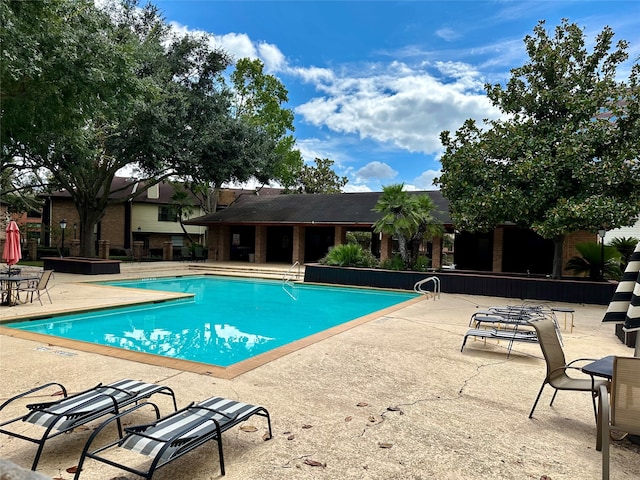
373 83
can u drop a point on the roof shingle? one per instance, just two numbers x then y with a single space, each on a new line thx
343 208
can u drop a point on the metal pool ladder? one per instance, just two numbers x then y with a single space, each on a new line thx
287 280
436 287
291 274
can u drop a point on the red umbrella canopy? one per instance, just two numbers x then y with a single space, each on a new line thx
11 253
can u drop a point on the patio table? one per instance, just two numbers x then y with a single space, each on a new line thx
9 287
600 368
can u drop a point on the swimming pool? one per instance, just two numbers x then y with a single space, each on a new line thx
228 320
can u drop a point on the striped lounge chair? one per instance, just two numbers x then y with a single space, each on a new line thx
175 435
71 411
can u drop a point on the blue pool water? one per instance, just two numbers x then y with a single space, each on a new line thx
228 321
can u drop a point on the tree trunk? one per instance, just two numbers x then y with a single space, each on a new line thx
558 243
404 253
184 230
87 246
87 224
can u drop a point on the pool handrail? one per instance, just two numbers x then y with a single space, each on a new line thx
289 275
436 287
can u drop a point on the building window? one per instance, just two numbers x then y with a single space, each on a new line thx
177 240
167 214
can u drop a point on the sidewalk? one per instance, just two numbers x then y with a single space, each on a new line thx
399 380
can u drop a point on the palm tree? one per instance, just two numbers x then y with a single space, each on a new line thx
428 227
182 203
626 246
590 261
409 218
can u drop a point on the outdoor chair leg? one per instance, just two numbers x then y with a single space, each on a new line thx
595 408
537 398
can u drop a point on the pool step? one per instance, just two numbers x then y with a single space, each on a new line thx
247 270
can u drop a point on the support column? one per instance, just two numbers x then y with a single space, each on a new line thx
137 249
436 253
74 248
167 251
298 244
103 249
32 248
261 244
340 236
386 247
498 250
221 244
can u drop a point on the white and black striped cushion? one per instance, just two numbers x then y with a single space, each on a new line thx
193 422
64 413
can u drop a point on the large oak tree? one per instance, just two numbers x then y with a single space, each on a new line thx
87 92
565 155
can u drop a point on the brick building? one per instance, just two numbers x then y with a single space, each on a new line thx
301 228
266 227
147 217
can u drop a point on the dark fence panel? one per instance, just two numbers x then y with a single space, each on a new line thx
523 288
83 266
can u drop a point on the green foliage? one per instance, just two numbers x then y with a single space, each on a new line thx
349 255
422 264
550 163
590 262
409 218
626 246
393 263
320 179
361 238
182 204
86 93
258 98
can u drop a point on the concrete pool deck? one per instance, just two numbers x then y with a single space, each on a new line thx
398 380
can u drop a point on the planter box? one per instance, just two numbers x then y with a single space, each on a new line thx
495 285
82 266
628 338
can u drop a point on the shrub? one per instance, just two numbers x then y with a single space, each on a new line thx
422 264
369 259
626 247
348 255
393 263
590 261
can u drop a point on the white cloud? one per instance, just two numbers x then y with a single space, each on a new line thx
273 59
312 75
402 106
447 34
425 180
396 104
312 148
238 45
375 170
351 188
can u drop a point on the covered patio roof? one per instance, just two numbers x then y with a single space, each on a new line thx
354 209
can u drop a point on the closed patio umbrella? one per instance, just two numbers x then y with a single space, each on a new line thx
625 304
11 253
632 322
